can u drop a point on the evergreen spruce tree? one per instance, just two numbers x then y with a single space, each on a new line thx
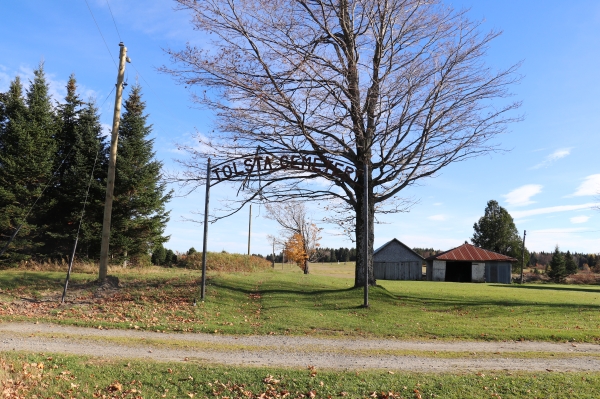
556 269
159 255
139 216
80 146
570 265
496 231
26 160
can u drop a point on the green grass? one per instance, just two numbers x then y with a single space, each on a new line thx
49 375
288 302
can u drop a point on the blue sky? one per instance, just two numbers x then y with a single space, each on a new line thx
548 179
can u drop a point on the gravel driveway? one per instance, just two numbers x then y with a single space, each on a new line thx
291 351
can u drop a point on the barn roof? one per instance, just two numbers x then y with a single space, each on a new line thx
468 252
398 242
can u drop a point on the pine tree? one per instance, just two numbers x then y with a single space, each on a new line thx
80 149
570 265
26 160
13 121
556 269
139 216
159 255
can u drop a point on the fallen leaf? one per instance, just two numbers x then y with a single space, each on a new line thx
115 386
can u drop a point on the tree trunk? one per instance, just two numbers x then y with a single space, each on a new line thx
306 266
359 276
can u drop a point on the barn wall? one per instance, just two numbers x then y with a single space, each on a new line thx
438 270
478 272
397 270
498 272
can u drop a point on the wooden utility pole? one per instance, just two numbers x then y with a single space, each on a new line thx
112 161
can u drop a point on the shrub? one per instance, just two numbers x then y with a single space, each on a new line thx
583 278
225 262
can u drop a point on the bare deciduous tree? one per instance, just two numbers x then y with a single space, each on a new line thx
297 228
399 85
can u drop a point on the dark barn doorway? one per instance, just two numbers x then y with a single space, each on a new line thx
458 272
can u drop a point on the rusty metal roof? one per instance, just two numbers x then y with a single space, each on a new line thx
471 253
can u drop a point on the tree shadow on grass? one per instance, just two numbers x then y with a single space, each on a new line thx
327 296
594 290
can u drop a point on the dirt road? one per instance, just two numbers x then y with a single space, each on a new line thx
282 351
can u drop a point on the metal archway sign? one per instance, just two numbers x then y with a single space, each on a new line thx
264 162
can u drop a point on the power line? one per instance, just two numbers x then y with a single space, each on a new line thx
113 18
24 219
98 26
113 89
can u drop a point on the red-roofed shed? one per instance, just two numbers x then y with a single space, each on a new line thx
470 263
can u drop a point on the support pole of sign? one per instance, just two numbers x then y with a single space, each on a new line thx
249 228
204 239
523 255
366 232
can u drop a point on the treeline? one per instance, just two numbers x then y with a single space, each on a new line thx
324 255
427 252
347 254
583 261
50 152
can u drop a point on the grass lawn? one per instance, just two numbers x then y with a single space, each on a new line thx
288 302
50 375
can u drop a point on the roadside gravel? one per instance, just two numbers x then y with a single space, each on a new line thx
288 351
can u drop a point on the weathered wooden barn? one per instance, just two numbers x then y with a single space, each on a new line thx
469 263
395 261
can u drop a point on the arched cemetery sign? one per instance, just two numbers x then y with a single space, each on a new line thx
265 162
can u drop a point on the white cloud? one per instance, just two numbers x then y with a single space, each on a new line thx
438 218
579 219
552 209
555 156
522 196
590 186
437 203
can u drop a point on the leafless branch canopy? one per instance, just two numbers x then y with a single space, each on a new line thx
398 84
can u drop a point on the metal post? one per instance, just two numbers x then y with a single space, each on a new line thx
69 271
523 255
112 161
204 239
366 232
249 228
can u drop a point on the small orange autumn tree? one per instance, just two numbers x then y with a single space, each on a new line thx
294 251
300 234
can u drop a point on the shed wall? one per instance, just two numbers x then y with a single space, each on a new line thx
478 272
397 270
498 272
438 270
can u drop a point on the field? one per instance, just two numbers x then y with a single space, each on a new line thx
283 301
289 302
